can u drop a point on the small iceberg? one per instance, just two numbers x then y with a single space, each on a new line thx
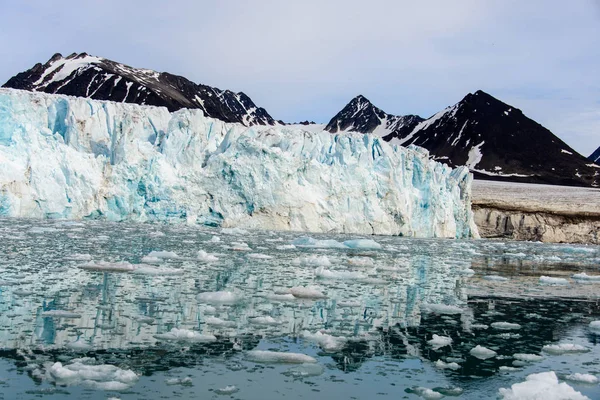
265 356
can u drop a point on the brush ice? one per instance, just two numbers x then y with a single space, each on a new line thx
362 244
306 292
104 377
65 157
496 278
544 386
326 341
265 320
204 256
314 260
185 335
595 326
527 357
227 390
444 365
323 273
163 254
218 322
441 308
585 277
361 261
564 348
437 342
218 297
266 356
105 266
584 378
483 353
548 280
505 326
60 314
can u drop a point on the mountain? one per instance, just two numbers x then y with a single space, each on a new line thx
98 78
595 156
360 115
495 140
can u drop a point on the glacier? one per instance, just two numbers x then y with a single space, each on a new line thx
76 158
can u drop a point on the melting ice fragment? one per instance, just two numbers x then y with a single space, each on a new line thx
323 273
306 241
583 378
221 297
544 385
564 348
204 256
227 390
60 314
483 353
265 356
185 335
505 326
307 292
327 342
585 277
549 280
105 377
437 342
362 244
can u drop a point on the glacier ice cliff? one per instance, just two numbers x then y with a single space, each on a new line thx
65 157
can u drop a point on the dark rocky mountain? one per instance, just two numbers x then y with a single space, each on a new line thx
360 115
97 78
494 139
595 156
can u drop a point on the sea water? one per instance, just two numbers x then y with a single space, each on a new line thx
93 310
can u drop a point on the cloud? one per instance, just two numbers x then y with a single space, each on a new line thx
306 59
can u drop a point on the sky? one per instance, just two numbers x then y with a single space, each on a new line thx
305 60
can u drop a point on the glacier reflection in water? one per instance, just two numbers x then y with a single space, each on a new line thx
146 311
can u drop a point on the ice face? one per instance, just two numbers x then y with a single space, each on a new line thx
63 157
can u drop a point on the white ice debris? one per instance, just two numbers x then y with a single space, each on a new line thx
185 335
505 326
266 356
483 353
548 280
240 246
60 314
585 277
361 261
326 341
441 308
179 381
219 322
204 256
437 342
163 254
527 357
142 269
564 348
496 278
227 390
313 260
106 266
306 241
595 326
264 320
323 273
427 394
103 377
540 386
259 256
584 378
362 244
214 239
444 365
68 157
223 297
307 292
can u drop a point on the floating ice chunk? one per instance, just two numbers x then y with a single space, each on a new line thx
483 353
584 378
60 314
105 266
240 246
327 342
362 244
527 357
281 297
505 326
214 239
426 393
185 335
506 368
323 273
143 319
361 261
286 247
306 241
437 342
219 322
187 381
204 256
206 309
264 320
541 386
79 345
223 297
595 326
163 254
564 348
467 272
234 231
143 269
585 277
349 304
441 308
156 234
305 370
307 292
104 377
266 356
444 365
496 278
259 256
548 280
314 260
151 260
227 390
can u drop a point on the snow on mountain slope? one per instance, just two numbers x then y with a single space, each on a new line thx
63 157
360 115
98 78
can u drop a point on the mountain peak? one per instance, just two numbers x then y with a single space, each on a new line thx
83 75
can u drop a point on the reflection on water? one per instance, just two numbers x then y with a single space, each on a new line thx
176 323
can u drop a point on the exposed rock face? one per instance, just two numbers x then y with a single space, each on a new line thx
595 156
98 78
537 212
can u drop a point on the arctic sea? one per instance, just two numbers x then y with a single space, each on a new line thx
98 310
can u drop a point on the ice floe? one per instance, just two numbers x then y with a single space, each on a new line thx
265 356
544 386
185 335
483 353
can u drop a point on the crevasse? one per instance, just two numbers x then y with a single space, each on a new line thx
66 157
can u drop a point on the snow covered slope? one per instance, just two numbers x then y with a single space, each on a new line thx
63 157
98 78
